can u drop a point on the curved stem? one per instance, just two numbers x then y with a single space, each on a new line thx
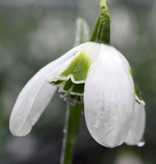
71 133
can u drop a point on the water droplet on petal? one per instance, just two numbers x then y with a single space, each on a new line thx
141 143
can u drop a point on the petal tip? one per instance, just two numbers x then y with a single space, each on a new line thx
139 100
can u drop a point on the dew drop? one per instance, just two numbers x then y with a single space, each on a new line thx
141 143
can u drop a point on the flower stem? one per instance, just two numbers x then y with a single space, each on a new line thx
101 32
71 133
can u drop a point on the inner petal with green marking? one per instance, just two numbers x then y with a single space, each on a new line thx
71 81
78 68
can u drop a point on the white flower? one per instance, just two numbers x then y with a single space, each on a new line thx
97 75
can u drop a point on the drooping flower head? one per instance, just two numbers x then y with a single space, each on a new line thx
96 75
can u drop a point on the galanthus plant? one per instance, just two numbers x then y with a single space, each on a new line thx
93 74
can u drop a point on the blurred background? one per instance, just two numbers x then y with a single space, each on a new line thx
35 32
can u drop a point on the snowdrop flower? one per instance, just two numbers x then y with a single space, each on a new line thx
97 75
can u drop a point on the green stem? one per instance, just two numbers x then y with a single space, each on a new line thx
101 32
71 133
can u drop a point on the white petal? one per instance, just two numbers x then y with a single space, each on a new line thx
140 101
31 102
36 95
128 67
124 60
109 99
135 134
61 66
136 131
92 50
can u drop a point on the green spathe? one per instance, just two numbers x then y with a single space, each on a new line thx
101 32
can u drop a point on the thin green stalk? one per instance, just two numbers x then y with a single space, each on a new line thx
73 112
71 133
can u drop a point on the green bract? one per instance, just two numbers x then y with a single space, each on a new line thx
101 32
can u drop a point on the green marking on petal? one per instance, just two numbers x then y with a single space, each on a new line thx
137 91
68 85
71 87
57 82
78 88
78 67
76 71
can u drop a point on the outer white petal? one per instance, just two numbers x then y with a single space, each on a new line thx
109 99
36 95
124 60
135 134
91 50
136 131
128 67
